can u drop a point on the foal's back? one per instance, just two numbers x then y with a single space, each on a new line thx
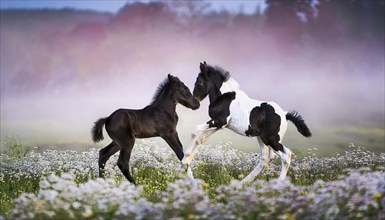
138 122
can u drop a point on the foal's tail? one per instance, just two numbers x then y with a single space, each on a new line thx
97 130
298 121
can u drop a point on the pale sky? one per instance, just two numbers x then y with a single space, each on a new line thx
247 6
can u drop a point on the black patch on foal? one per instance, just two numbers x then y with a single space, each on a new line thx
220 110
265 123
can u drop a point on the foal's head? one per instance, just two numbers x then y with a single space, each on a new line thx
182 94
208 80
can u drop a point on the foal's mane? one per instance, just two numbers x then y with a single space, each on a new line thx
223 73
163 85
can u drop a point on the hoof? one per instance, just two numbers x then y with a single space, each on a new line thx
189 174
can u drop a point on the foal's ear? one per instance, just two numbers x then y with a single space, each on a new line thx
172 79
203 67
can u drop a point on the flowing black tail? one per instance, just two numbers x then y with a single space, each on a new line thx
298 121
97 130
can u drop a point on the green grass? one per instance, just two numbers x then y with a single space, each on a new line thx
330 140
149 173
11 188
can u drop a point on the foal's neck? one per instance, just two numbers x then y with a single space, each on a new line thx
214 94
227 86
165 101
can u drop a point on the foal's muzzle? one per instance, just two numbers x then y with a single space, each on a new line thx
196 104
198 94
199 97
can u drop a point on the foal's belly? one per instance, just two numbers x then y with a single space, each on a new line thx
239 118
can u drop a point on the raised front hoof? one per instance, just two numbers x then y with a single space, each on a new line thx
216 124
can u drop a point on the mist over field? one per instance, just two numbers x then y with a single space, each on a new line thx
61 70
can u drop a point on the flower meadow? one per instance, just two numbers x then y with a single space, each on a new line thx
64 185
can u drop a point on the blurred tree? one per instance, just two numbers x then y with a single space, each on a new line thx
375 23
144 16
332 22
250 22
342 22
287 19
218 21
190 14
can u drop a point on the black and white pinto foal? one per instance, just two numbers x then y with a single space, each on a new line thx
231 108
159 119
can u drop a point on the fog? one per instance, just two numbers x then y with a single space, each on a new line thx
62 70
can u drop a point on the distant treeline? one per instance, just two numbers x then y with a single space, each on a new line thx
58 46
328 22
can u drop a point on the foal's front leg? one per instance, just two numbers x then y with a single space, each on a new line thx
175 144
199 135
196 141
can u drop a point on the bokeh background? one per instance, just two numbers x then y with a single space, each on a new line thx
62 68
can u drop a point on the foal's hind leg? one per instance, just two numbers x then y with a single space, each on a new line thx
105 154
285 162
126 146
283 152
264 160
